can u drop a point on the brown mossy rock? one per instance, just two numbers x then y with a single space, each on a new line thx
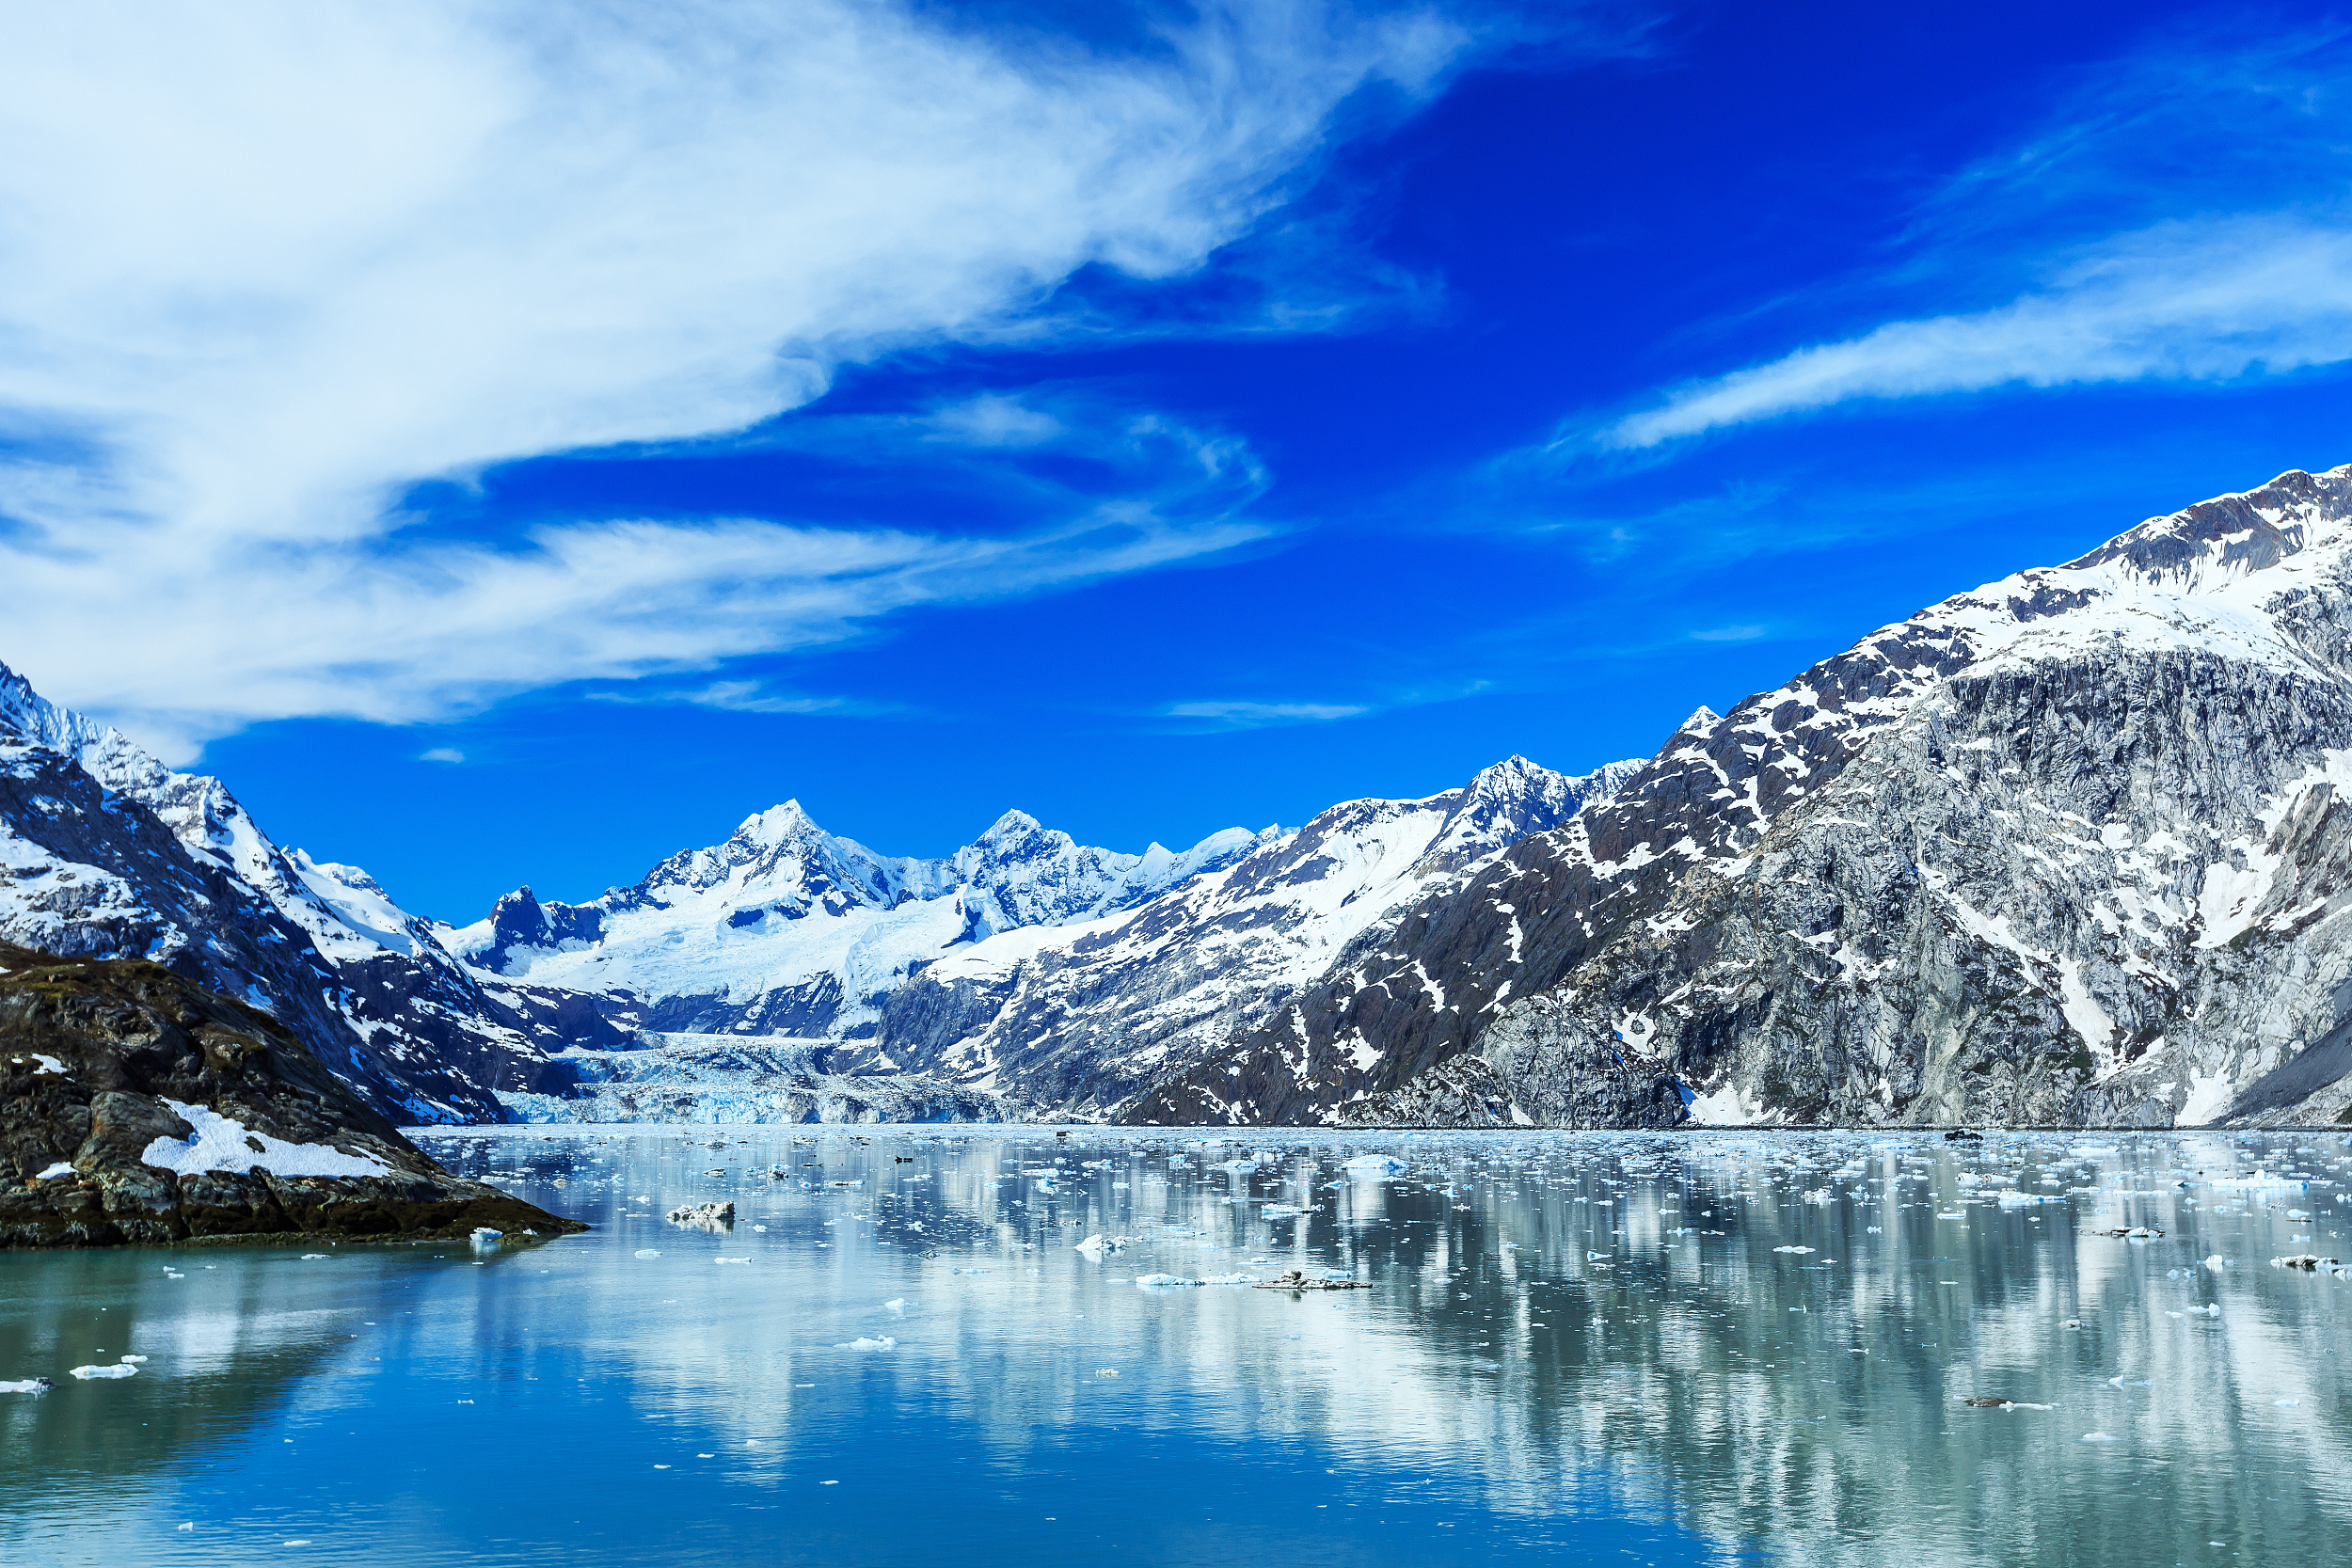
93 1055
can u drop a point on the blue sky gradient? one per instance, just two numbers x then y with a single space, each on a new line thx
1396 390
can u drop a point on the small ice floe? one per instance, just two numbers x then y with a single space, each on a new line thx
859 1182
2308 1262
707 1216
2286 1404
63 1167
761 1229
1994 1401
1280 1211
1792 1249
1095 1247
649 1252
119 1370
2134 1232
132 1360
1298 1279
483 1233
1160 1282
971 1271
730 1260
2072 1323
2098 1437
2027 1200
1374 1168
2217 1262
27 1385
897 1304
2262 1181
864 1342
314 1257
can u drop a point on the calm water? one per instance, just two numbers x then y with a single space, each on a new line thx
1596 1347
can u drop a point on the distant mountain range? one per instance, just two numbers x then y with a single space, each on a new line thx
2065 850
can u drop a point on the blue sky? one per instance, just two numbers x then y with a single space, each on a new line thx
511 456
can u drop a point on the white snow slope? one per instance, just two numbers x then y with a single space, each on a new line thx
787 929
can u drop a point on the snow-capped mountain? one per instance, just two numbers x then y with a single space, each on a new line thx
1083 1015
787 929
107 853
2071 849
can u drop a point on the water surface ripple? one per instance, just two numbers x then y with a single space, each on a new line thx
1712 1349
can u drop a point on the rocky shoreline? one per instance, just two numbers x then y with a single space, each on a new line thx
137 1107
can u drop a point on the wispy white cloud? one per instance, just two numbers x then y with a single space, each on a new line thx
2187 302
265 266
443 754
2173 219
1257 716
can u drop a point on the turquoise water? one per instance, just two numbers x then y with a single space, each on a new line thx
1579 1347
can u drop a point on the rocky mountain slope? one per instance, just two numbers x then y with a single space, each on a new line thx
1083 1015
135 1106
2073 848
105 853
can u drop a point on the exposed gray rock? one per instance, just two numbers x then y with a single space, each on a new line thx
2071 849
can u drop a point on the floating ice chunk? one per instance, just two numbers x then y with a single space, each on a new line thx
1158 1281
1228 1279
86 1374
709 1216
311 1257
1792 1249
1280 1211
897 1304
133 1360
649 1252
2099 1437
1374 1168
1095 1247
730 1260
2307 1261
864 1342
2217 1262
483 1233
63 1167
971 1271
28 1385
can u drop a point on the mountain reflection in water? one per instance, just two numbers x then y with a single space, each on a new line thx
1703 1349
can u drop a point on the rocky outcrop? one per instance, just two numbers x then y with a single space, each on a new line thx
135 1106
2073 850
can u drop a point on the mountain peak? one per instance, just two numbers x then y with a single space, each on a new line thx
777 824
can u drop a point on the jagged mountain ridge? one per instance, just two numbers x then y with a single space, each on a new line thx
1083 1017
787 929
105 853
2070 849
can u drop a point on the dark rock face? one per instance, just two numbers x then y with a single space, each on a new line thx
94 1057
2070 850
114 856
1085 1023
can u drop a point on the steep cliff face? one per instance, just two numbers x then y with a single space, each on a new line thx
1082 1017
2069 849
105 853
